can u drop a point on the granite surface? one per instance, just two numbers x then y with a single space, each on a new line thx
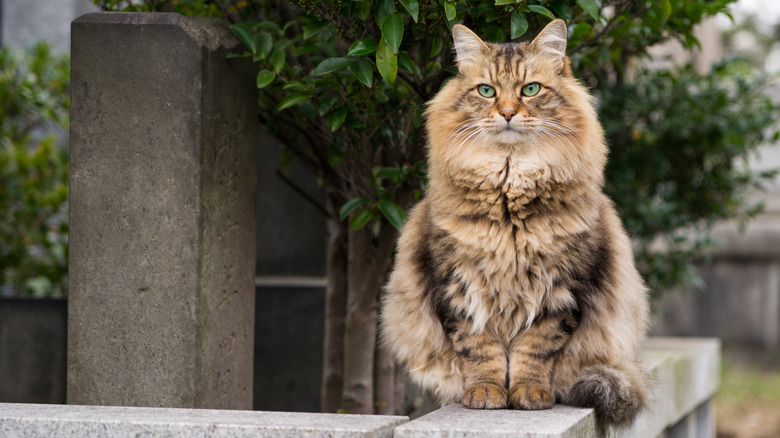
456 421
52 421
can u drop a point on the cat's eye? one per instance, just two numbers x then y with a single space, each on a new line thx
486 90
531 89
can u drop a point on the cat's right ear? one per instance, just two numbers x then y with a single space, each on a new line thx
468 46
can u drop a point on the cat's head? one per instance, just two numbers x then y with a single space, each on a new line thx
519 99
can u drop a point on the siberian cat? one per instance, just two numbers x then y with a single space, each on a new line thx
514 282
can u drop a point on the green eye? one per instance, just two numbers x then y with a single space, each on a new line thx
531 89
486 90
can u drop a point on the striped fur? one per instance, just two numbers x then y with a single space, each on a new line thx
514 283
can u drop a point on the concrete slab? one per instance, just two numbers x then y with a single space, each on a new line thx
54 421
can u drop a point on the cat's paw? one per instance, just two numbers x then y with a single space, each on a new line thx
530 396
484 396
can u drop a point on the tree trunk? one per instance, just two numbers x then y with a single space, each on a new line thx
366 271
335 311
384 381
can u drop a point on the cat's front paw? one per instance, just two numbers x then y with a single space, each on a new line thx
530 396
484 396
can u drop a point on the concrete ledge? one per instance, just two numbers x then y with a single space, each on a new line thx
686 373
52 421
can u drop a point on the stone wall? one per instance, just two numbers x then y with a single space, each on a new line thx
739 298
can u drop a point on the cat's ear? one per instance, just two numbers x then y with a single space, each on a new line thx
552 39
468 46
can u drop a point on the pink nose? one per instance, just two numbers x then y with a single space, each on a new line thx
508 113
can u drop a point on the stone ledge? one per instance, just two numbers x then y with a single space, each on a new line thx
53 421
686 371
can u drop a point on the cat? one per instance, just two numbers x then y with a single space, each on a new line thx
514 283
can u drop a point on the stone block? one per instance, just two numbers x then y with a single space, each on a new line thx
50 421
163 157
457 421
740 303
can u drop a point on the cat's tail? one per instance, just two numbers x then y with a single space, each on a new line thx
618 393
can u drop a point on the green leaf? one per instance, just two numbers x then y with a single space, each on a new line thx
667 6
412 8
383 9
277 59
590 7
312 28
386 62
294 86
292 99
385 172
562 9
351 206
263 43
436 45
393 31
242 32
581 30
336 118
363 71
504 2
362 9
541 10
360 219
405 62
450 10
269 25
326 103
518 24
265 77
392 212
329 65
366 46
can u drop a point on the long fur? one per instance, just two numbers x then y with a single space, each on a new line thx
514 282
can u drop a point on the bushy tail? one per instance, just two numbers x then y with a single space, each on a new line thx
618 393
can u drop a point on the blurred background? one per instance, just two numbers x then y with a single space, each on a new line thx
733 293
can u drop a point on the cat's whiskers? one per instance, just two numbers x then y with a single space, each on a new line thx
462 134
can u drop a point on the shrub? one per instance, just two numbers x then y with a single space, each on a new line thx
34 102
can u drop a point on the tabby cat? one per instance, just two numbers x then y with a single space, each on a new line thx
514 282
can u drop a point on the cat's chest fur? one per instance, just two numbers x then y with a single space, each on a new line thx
512 230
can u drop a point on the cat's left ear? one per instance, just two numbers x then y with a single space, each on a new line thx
552 39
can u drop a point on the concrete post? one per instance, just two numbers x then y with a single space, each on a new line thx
163 158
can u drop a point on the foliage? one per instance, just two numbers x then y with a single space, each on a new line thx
343 86
348 80
679 168
34 102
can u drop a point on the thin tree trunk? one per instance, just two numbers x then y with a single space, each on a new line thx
399 399
384 381
335 311
367 269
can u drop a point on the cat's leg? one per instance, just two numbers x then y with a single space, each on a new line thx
483 365
532 357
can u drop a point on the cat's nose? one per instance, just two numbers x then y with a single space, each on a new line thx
508 113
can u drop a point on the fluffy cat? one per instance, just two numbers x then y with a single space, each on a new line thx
514 283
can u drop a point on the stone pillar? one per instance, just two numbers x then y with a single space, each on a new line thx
163 158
